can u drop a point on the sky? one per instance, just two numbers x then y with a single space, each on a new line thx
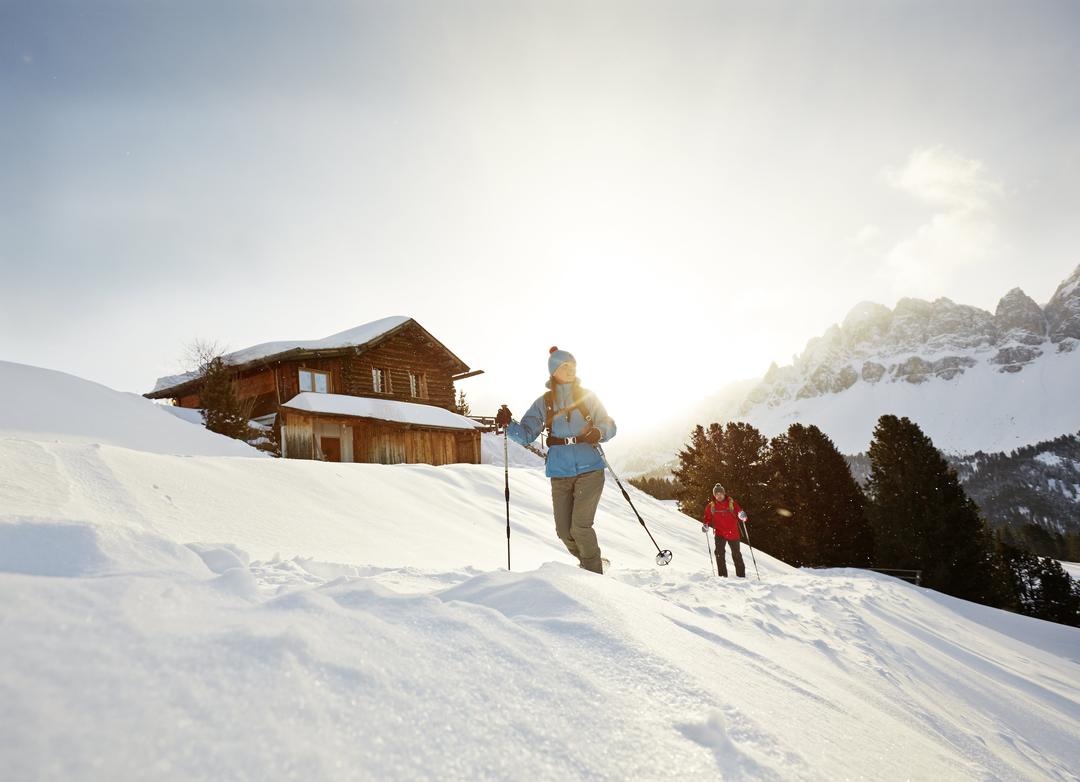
678 193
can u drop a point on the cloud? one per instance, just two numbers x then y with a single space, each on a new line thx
943 178
960 233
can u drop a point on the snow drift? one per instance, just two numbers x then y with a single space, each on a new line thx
42 404
224 617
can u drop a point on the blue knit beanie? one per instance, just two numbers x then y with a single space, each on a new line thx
558 358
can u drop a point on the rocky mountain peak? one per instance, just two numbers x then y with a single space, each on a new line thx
919 341
953 325
1019 319
1063 313
867 322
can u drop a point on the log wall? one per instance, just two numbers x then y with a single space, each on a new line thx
405 352
381 442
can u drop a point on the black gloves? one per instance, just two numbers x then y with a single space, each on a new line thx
503 417
591 436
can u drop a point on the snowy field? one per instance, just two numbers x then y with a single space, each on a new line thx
169 611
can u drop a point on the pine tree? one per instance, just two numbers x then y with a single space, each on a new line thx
660 488
921 517
220 409
1039 586
1057 598
735 456
811 481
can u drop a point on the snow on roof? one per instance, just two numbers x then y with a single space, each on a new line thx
382 409
360 335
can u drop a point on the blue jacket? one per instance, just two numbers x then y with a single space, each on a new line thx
565 461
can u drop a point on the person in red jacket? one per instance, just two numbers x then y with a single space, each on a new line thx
723 514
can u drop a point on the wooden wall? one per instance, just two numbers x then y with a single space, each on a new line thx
299 439
381 442
401 354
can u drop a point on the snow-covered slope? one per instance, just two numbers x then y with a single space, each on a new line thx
971 379
209 617
45 405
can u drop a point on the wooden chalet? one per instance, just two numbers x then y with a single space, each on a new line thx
379 393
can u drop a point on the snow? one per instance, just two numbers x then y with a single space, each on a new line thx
383 409
220 617
492 447
982 409
192 415
45 405
1049 459
359 335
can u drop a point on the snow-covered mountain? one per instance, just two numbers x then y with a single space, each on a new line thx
973 380
236 617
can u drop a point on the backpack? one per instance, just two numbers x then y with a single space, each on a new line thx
581 396
730 505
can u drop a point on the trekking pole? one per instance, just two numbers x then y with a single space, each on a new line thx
747 531
663 556
708 547
506 477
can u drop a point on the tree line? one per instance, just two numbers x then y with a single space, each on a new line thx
913 514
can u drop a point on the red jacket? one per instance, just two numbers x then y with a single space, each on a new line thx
723 517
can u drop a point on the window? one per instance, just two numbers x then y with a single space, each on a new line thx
418 385
314 380
380 381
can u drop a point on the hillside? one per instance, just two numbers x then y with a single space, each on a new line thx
238 617
42 404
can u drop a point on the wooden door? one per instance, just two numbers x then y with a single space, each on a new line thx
331 448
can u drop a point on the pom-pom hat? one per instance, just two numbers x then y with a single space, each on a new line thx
557 358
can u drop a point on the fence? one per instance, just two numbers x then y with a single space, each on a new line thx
913 576
486 421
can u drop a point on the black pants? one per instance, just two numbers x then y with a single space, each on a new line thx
736 557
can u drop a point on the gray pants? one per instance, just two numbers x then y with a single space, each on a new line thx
574 501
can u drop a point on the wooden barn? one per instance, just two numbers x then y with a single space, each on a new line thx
380 393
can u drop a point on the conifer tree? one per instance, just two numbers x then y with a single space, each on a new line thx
735 456
1037 587
220 409
660 488
921 517
811 481
1057 598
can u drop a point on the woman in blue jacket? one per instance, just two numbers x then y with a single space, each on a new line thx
575 421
